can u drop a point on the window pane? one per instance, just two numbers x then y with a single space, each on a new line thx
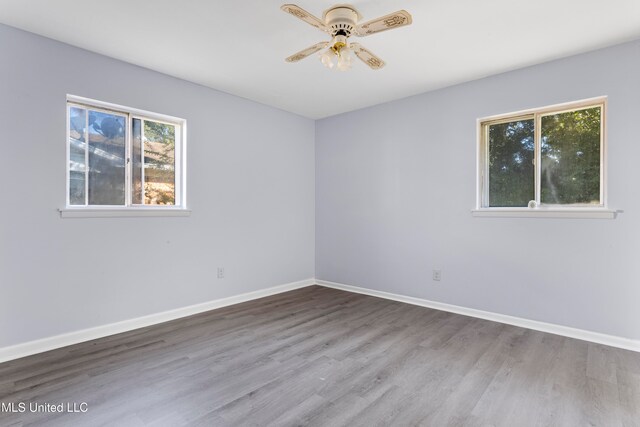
511 170
106 159
570 168
77 147
136 162
159 163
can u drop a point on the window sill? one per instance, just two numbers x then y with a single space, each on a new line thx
122 212
586 213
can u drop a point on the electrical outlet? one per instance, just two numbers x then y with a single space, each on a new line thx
220 272
437 275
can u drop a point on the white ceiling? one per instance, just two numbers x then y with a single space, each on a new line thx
239 46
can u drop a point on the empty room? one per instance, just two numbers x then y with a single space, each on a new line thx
381 213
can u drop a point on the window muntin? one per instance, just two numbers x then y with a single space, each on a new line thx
131 160
553 155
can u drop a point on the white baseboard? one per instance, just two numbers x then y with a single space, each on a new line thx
58 341
581 334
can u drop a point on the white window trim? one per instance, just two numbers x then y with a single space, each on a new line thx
130 210
586 213
581 211
111 212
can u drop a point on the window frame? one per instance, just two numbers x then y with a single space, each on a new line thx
128 209
541 210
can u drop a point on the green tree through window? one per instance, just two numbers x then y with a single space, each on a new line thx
511 170
570 170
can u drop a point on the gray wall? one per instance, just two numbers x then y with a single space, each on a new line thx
250 185
395 185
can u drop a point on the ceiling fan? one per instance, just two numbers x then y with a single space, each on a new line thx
341 22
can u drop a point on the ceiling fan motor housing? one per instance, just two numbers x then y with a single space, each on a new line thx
341 19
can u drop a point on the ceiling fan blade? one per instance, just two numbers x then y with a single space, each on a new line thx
367 57
308 51
300 13
384 23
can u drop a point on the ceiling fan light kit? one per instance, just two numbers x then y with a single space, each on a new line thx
341 22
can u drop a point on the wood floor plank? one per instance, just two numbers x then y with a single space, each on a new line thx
600 365
629 395
323 357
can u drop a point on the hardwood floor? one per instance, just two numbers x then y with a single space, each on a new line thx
319 356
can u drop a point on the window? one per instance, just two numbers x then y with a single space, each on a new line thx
122 158
550 159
